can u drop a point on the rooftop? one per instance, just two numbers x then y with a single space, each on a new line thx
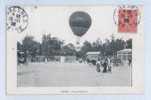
124 50
93 52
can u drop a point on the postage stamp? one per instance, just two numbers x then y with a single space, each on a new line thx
128 18
74 50
127 21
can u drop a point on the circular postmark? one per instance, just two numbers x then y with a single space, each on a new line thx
17 19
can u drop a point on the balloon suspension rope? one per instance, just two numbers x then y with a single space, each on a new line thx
78 40
78 43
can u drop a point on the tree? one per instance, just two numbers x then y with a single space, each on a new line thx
30 46
19 46
69 49
129 43
87 46
44 46
51 46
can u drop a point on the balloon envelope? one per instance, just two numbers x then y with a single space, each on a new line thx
80 22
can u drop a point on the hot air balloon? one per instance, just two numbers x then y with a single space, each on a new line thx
80 22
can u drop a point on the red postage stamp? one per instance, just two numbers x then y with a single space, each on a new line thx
127 20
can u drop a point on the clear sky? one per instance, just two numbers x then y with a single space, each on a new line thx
54 20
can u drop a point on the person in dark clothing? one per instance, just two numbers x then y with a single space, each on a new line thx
105 65
98 64
129 61
109 64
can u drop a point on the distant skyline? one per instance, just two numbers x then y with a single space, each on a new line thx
55 21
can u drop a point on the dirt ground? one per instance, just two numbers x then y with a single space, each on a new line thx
70 74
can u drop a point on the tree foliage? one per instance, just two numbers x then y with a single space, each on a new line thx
51 46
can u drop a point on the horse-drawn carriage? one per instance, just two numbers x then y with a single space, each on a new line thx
92 57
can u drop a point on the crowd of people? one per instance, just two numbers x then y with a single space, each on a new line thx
104 63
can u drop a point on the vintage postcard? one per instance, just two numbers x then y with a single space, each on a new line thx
93 49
